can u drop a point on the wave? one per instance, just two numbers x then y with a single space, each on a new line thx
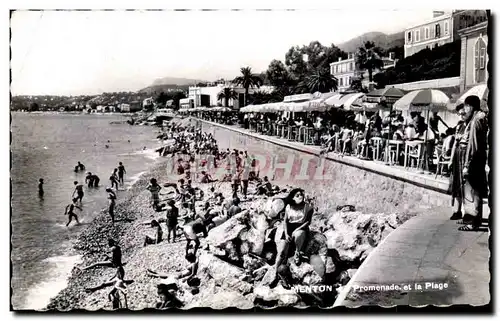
148 153
134 179
59 270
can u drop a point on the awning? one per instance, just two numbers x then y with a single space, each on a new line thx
318 104
350 99
297 107
334 101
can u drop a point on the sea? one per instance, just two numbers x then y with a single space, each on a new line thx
49 146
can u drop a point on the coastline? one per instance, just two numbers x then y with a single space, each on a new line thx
91 244
134 208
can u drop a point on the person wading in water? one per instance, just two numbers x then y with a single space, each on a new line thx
70 208
79 192
121 172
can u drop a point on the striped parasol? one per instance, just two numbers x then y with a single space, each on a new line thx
423 100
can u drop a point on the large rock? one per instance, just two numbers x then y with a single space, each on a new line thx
316 244
228 231
254 238
225 274
298 272
318 265
279 294
274 207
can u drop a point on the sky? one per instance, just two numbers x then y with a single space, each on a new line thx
90 52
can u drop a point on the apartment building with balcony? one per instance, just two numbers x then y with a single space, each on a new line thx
346 70
441 29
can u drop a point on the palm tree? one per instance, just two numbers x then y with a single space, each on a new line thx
247 80
369 58
226 94
320 80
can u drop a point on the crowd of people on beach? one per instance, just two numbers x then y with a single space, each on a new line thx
187 213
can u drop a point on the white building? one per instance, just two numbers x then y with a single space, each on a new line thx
207 96
346 71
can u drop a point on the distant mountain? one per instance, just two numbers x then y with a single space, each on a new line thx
156 89
379 38
175 81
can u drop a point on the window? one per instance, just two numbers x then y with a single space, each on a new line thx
408 37
417 35
446 31
480 54
482 57
427 35
341 82
351 65
438 30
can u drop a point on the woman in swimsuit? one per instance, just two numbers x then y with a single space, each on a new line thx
298 217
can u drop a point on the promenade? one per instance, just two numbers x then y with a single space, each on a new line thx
409 175
451 266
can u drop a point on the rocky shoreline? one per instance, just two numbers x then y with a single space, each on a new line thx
340 239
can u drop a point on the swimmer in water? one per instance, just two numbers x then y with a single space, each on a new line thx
70 212
121 172
107 146
89 179
40 188
80 166
79 191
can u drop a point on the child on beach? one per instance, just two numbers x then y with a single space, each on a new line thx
70 212
172 220
186 275
158 237
114 261
119 287
112 203
79 192
154 188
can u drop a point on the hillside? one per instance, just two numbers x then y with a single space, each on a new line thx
379 38
175 81
156 89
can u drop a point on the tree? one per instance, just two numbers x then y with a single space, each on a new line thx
34 107
163 98
226 94
357 83
247 80
369 58
320 80
294 60
177 96
280 78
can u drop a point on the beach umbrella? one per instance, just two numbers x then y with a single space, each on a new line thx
348 100
318 104
334 100
389 94
480 91
422 100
